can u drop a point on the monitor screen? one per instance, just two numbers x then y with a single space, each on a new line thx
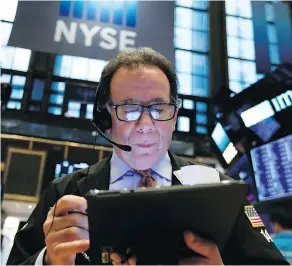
223 143
80 93
260 120
66 167
272 165
242 170
266 129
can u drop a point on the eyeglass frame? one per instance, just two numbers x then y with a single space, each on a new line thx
146 107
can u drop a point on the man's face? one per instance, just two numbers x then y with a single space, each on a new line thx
148 138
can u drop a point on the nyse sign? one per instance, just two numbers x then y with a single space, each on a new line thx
94 29
120 14
108 38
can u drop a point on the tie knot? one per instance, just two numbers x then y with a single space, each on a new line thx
147 180
144 173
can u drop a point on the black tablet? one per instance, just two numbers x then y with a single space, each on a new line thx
151 221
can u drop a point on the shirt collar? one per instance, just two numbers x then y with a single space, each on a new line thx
163 167
119 167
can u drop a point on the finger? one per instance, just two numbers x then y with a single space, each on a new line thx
70 248
199 245
192 261
114 262
62 222
132 260
119 259
115 257
66 235
68 202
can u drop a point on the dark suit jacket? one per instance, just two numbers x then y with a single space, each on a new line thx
245 245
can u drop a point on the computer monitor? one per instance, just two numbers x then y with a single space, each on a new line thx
272 166
242 170
223 144
66 167
260 119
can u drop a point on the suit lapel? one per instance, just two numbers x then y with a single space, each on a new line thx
97 178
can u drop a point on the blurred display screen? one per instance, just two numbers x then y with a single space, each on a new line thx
272 166
259 119
257 113
223 143
242 170
266 128
65 168
80 93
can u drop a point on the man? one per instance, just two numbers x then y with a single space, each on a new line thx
282 226
139 92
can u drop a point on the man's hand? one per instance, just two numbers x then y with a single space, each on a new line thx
208 250
69 233
118 259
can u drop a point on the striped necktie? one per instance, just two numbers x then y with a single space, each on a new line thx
147 180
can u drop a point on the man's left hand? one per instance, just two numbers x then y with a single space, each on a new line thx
208 250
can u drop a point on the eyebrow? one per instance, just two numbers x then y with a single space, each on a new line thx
132 101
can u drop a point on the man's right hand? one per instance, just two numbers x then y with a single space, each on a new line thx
69 233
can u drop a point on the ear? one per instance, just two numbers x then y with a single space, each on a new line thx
109 131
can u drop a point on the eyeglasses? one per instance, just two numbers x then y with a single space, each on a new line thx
133 112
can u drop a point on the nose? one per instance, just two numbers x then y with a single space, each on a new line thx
145 124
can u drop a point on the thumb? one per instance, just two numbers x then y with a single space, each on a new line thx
199 245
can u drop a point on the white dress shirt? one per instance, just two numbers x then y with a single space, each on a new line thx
122 176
